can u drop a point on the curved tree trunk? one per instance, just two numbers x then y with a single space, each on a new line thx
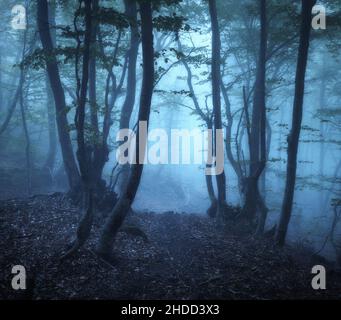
122 207
129 102
85 150
59 97
128 105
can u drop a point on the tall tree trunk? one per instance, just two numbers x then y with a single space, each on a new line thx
59 97
1 84
212 210
24 122
261 95
322 101
100 147
262 191
85 149
216 80
293 138
100 150
51 123
258 130
122 207
128 105
93 74
51 117
28 144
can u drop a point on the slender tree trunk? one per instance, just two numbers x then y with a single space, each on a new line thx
122 207
258 131
293 138
85 150
27 146
322 98
261 95
24 122
212 210
128 105
100 147
51 123
51 117
83 146
93 74
100 150
59 97
216 81
1 84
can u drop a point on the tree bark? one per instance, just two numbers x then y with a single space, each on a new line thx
51 117
93 74
129 102
257 141
261 95
212 210
128 105
122 207
24 123
216 80
293 138
59 97
1 84
322 101
85 149
51 123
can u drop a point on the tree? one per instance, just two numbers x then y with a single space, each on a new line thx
128 105
59 97
123 205
216 99
127 108
257 142
85 149
293 138
51 117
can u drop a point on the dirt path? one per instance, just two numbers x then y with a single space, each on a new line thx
186 257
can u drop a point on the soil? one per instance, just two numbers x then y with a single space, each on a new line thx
186 256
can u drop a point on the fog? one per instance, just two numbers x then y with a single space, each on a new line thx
182 188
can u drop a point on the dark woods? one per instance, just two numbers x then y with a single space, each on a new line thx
252 69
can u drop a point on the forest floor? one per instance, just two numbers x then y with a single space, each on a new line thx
185 257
